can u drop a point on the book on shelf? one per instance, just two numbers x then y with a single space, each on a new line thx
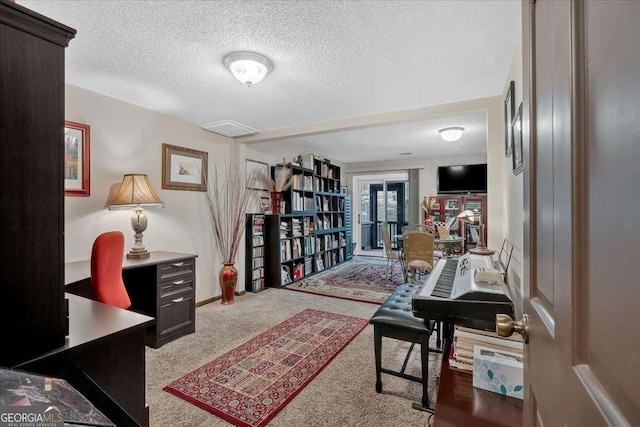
465 341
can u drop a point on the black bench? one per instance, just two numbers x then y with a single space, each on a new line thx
394 319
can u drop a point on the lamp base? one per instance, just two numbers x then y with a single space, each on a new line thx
138 254
482 251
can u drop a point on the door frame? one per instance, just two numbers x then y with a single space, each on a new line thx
379 178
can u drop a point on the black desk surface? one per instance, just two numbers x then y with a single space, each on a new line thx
81 270
90 322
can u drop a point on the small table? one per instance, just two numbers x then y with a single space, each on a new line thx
449 245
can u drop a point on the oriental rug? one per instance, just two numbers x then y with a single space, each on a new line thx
250 384
360 279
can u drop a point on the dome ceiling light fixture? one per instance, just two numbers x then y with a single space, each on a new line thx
452 133
248 67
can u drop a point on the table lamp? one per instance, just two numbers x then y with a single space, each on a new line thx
136 192
468 216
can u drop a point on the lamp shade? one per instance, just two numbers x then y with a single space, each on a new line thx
134 191
467 216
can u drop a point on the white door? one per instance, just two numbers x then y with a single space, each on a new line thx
378 199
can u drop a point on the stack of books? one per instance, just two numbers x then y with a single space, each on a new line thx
466 339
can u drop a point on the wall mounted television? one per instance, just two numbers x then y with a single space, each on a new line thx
462 179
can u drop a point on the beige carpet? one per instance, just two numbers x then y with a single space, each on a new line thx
343 394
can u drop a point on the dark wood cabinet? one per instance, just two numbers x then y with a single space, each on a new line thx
32 307
162 286
448 207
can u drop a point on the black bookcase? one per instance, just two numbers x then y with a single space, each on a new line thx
255 266
310 233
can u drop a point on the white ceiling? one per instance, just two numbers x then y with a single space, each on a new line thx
333 59
421 139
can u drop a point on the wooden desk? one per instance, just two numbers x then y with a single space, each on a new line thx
162 286
107 345
461 404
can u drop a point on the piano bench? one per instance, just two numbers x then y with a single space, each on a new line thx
395 319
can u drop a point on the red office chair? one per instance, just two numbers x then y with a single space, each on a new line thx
106 270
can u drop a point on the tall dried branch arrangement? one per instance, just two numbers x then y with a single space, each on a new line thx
228 197
428 204
281 183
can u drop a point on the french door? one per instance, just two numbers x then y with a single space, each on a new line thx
378 200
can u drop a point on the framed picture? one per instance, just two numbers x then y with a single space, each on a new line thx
451 205
509 112
344 189
183 168
516 129
76 159
251 166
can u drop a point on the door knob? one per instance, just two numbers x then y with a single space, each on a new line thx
506 326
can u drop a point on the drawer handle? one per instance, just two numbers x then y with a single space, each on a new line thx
178 264
178 299
179 282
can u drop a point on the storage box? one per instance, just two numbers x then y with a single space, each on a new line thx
498 371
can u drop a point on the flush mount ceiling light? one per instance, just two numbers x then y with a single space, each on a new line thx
248 67
451 134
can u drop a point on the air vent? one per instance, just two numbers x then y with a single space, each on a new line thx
229 128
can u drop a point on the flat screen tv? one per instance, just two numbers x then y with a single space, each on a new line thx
462 179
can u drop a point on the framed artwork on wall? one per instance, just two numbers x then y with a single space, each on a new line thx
183 168
76 159
509 112
251 166
516 128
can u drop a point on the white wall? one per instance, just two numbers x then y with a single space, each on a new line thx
128 139
513 184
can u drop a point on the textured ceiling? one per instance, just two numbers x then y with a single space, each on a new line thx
421 139
333 59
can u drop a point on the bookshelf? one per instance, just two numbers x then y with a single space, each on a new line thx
255 265
310 233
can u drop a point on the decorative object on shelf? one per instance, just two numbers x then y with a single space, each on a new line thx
516 128
428 205
276 202
228 197
469 217
509 112
76 159
451 134
275 186
135 192
249 68
183 168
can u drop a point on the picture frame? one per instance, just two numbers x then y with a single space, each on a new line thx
184 168
344 189
250 167
516 128
509 113
76 159
451 204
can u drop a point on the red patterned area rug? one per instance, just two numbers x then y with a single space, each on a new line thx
250 384
361 279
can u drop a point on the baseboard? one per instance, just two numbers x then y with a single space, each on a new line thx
219 297
207 301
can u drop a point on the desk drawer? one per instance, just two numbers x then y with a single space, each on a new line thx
169 289
173 269
176 317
